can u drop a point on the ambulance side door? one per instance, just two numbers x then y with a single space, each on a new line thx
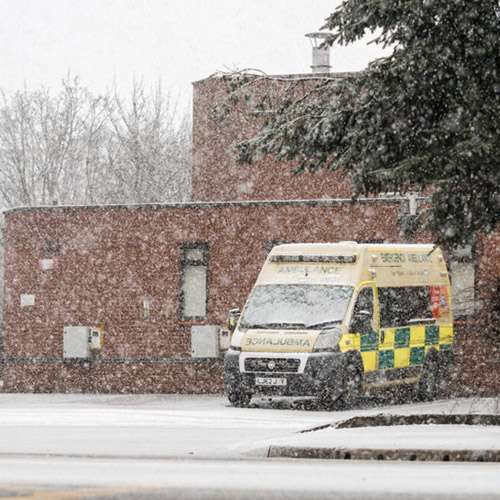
394 333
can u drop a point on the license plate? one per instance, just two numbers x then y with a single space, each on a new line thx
270 381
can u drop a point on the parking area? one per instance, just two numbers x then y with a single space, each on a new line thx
132 446
175 426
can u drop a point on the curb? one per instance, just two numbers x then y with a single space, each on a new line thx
383 420
423 455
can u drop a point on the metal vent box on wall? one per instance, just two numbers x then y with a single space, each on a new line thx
76 342
205 341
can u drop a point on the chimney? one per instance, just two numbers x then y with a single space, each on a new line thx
320 54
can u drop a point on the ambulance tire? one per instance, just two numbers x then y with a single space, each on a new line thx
348 394
429 382
445 370
353 383
239 398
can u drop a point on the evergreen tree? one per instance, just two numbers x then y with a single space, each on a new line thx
425 118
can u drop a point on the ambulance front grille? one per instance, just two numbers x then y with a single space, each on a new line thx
275 365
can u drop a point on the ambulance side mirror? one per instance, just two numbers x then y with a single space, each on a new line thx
361 322
232 320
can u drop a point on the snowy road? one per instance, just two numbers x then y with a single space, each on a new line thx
255 479
190 446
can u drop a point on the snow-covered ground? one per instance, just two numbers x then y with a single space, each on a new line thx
171 425
150 425
201 444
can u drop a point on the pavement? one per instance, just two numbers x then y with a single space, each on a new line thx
424 437
450 443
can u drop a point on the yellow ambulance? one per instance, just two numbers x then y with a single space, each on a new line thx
330 320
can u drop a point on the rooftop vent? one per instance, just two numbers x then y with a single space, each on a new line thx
320 53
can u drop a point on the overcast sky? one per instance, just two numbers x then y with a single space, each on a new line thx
179 41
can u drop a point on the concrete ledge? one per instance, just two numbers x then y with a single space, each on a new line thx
418 419
351 439
387 419
385 454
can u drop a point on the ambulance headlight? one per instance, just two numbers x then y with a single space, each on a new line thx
236 339
328 340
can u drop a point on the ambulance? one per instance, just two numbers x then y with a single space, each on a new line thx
331 320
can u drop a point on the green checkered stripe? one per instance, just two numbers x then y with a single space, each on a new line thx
386 359
369 341
402 338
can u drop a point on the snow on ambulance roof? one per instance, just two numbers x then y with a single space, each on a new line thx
346 248
294 264
349 263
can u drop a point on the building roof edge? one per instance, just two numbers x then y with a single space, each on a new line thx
213 204
285 76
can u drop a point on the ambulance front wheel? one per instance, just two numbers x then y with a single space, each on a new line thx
345 388
238 397
353 385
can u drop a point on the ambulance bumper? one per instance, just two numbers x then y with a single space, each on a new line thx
321 369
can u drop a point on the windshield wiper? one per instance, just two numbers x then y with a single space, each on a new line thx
275 325
324 323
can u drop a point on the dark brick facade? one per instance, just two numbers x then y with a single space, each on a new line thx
219 124
477 360
108 259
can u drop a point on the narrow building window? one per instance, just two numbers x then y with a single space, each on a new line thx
462 286
194 281
462 274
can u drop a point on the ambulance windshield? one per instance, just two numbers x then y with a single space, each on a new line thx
296 306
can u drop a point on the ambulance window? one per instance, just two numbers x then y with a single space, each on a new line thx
402 305
364 301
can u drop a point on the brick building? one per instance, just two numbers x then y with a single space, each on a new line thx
219 123
149 273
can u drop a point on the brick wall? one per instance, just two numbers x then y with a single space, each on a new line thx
107 260
477 355
487 257
220 123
